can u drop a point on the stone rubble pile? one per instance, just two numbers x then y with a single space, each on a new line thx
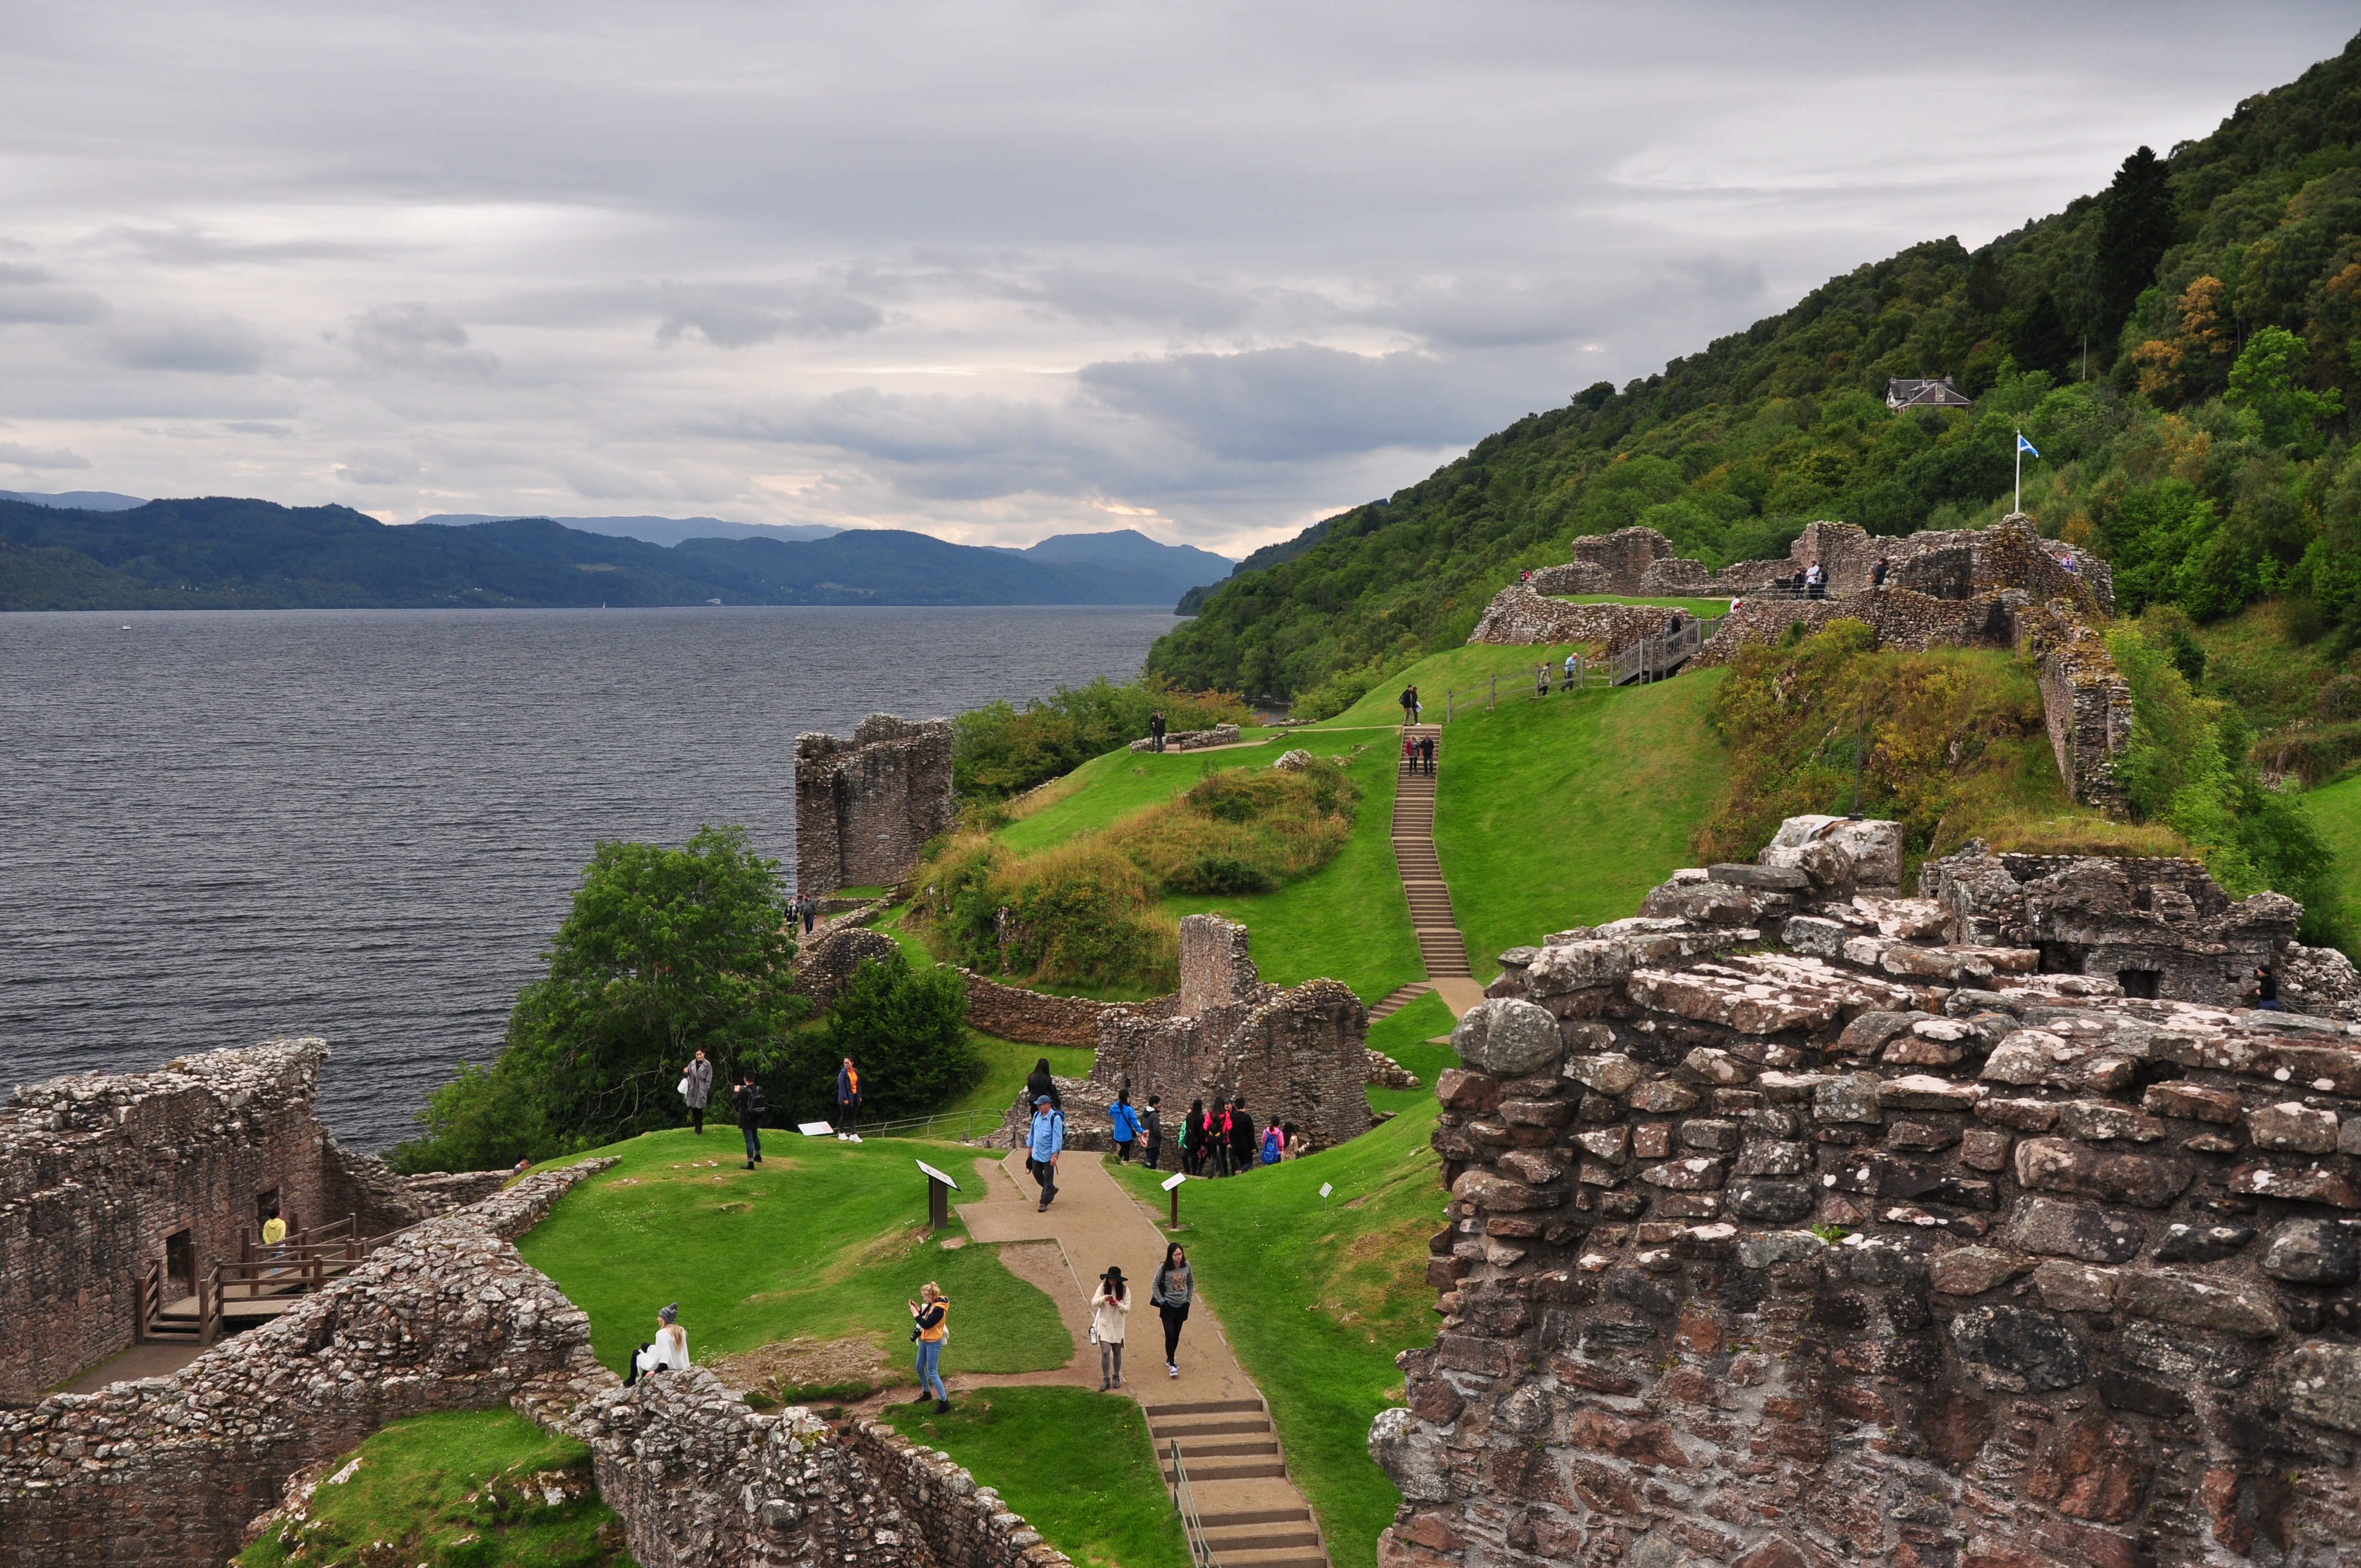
1191 739
1796 1222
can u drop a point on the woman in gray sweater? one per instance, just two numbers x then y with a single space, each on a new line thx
1174 1288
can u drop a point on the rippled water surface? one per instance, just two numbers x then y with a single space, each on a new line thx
216 826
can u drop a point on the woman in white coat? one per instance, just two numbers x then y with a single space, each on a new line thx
668 1352
1110 1309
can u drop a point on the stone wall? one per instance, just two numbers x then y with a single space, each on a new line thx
864 808
169 1470
2159 927
1573 578
1518 615
828 959
700 1481
2081 1292
1191 739
1297 1055
97 1169
1038 1018
1901 620
2084 698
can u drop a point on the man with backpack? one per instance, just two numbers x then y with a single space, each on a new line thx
1151 1122
747 1101
1124 1127
848 1102
1049 1140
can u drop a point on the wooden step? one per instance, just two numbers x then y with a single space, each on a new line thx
1194 1451
1293 1558
1252 1516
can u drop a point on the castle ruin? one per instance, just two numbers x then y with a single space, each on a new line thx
1794 1223
865 808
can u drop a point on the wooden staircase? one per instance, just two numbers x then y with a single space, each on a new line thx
1229 1446
1440 945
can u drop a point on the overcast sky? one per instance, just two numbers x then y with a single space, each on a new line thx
989 269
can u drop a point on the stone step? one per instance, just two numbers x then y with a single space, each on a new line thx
1252 1516
1200 1407
1294 1557
1395 1001
1192 1452
1233 1469
1259 1541
1187 1429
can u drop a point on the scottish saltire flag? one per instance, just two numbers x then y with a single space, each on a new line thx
2024 445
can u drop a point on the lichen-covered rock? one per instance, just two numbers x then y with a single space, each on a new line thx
1507 1038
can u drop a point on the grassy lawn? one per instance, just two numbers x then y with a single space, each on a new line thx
454 1488
1454 669
1007 1064
1319 1295
1119 784
2337 807
1348 920
1403 1038
1563 813
1077 1464
824 1239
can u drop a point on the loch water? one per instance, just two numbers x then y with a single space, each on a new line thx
218 827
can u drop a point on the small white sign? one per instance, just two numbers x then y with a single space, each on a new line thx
1177 1178
814 1129
934 1175
1326 1187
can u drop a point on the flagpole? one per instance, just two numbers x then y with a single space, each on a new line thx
2019 508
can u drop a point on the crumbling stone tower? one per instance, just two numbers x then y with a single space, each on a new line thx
864 808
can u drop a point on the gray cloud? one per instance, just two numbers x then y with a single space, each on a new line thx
411 336
217 344
741 318
31 458
987 267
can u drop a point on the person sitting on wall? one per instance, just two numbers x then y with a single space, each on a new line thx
2267 991
668 1352
1877 574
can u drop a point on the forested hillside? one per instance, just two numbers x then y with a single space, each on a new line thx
2181 348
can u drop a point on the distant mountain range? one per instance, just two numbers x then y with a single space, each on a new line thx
220 553
652 530
79 501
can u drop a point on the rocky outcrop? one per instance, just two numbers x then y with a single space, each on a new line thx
169 1470
1798 1222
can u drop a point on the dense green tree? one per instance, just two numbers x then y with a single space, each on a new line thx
665 952
2137 225
905 1028
2266 382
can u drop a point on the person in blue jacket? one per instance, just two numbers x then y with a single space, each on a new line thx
1042 1147
1126 1126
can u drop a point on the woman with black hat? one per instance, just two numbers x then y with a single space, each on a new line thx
1110 1308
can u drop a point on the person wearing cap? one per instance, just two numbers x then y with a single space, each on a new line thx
1110 1309
1049 1140
668 1352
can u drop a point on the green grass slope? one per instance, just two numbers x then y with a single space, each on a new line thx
1318 1295
1077 1464
1564 811
1347 921
2337 808
826 1239
455 1490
